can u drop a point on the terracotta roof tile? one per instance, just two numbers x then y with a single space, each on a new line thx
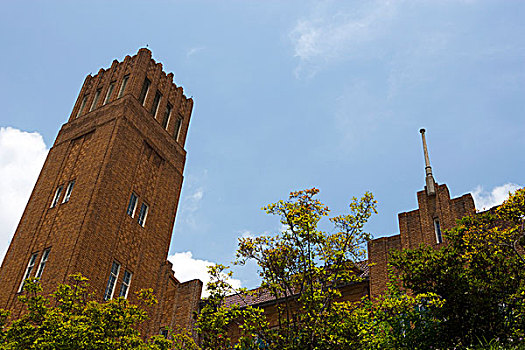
262 295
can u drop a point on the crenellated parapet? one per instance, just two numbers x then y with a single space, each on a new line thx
142 78
436 213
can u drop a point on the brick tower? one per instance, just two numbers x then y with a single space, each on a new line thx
104 204
436 212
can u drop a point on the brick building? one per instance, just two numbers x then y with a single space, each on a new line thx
104 204
436 212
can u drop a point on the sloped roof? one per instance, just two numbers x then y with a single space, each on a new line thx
262 295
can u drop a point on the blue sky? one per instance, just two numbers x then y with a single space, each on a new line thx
288 95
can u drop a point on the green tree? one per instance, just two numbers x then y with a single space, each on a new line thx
75 321
394 320
303 267
215 319
479 274
468 294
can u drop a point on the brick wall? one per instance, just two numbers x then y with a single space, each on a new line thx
352 292
417 227
111 148
378 261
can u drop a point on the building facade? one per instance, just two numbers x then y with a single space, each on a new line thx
436 212
104 204
105 201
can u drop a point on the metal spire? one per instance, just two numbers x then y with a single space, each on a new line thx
431 184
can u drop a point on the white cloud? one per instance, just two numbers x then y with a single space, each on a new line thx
250 234
22 155
187 268
330 34
197 195
246 234
487 199
192 51
189 207
409 36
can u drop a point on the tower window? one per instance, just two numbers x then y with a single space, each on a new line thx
113 275
177 129
144 91
126 281
156 102
95 99
82 105
29 268
43 261
143 214
167 114
437 229
69 189
58 192
132 204
110 91
123 86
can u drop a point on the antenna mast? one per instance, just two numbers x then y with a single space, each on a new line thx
431 183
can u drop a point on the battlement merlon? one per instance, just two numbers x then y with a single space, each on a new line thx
164 100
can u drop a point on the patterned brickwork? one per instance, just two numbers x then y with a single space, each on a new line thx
352 292
417 227
378 259
110 148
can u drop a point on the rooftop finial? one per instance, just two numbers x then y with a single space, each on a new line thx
431 184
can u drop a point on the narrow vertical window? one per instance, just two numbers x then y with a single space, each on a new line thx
123 86
82 105
177 129
69 189
42 264
58 192
113 275
132 204
95 100
167 114
110 91
156 102
437 229
144 91
143 214
126 281
29 268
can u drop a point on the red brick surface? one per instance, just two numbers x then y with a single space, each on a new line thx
119 148
110 152
416 227
352 292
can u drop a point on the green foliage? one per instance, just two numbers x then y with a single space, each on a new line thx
304 268
479 275
395 320
468 291
215 319
75 321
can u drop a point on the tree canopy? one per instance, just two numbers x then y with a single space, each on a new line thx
468 293
74 320
303 267
479 274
